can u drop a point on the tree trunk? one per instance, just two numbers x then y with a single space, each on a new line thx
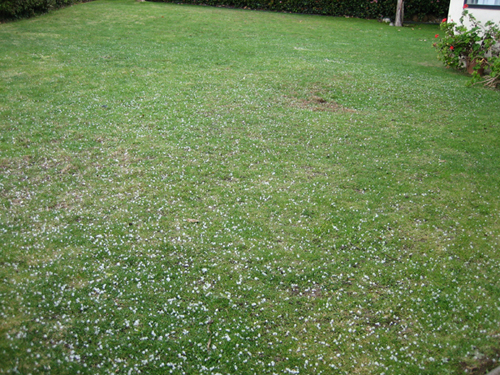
400 13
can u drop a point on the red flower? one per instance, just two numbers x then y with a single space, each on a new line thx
436 36
452 48
466 6
444 20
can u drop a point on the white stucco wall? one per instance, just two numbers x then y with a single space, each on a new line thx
483 15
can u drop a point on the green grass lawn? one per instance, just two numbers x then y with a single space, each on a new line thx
203 190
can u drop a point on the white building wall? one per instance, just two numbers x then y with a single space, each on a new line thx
483 15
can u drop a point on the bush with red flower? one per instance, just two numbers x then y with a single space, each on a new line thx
461 45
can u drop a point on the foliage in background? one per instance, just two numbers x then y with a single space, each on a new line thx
371 9
470 42
14 9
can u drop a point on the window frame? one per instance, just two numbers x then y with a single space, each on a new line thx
481 6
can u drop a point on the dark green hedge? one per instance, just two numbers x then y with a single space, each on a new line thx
14 9
353 8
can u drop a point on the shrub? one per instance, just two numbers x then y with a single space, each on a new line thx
474 47
352 8
14 9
